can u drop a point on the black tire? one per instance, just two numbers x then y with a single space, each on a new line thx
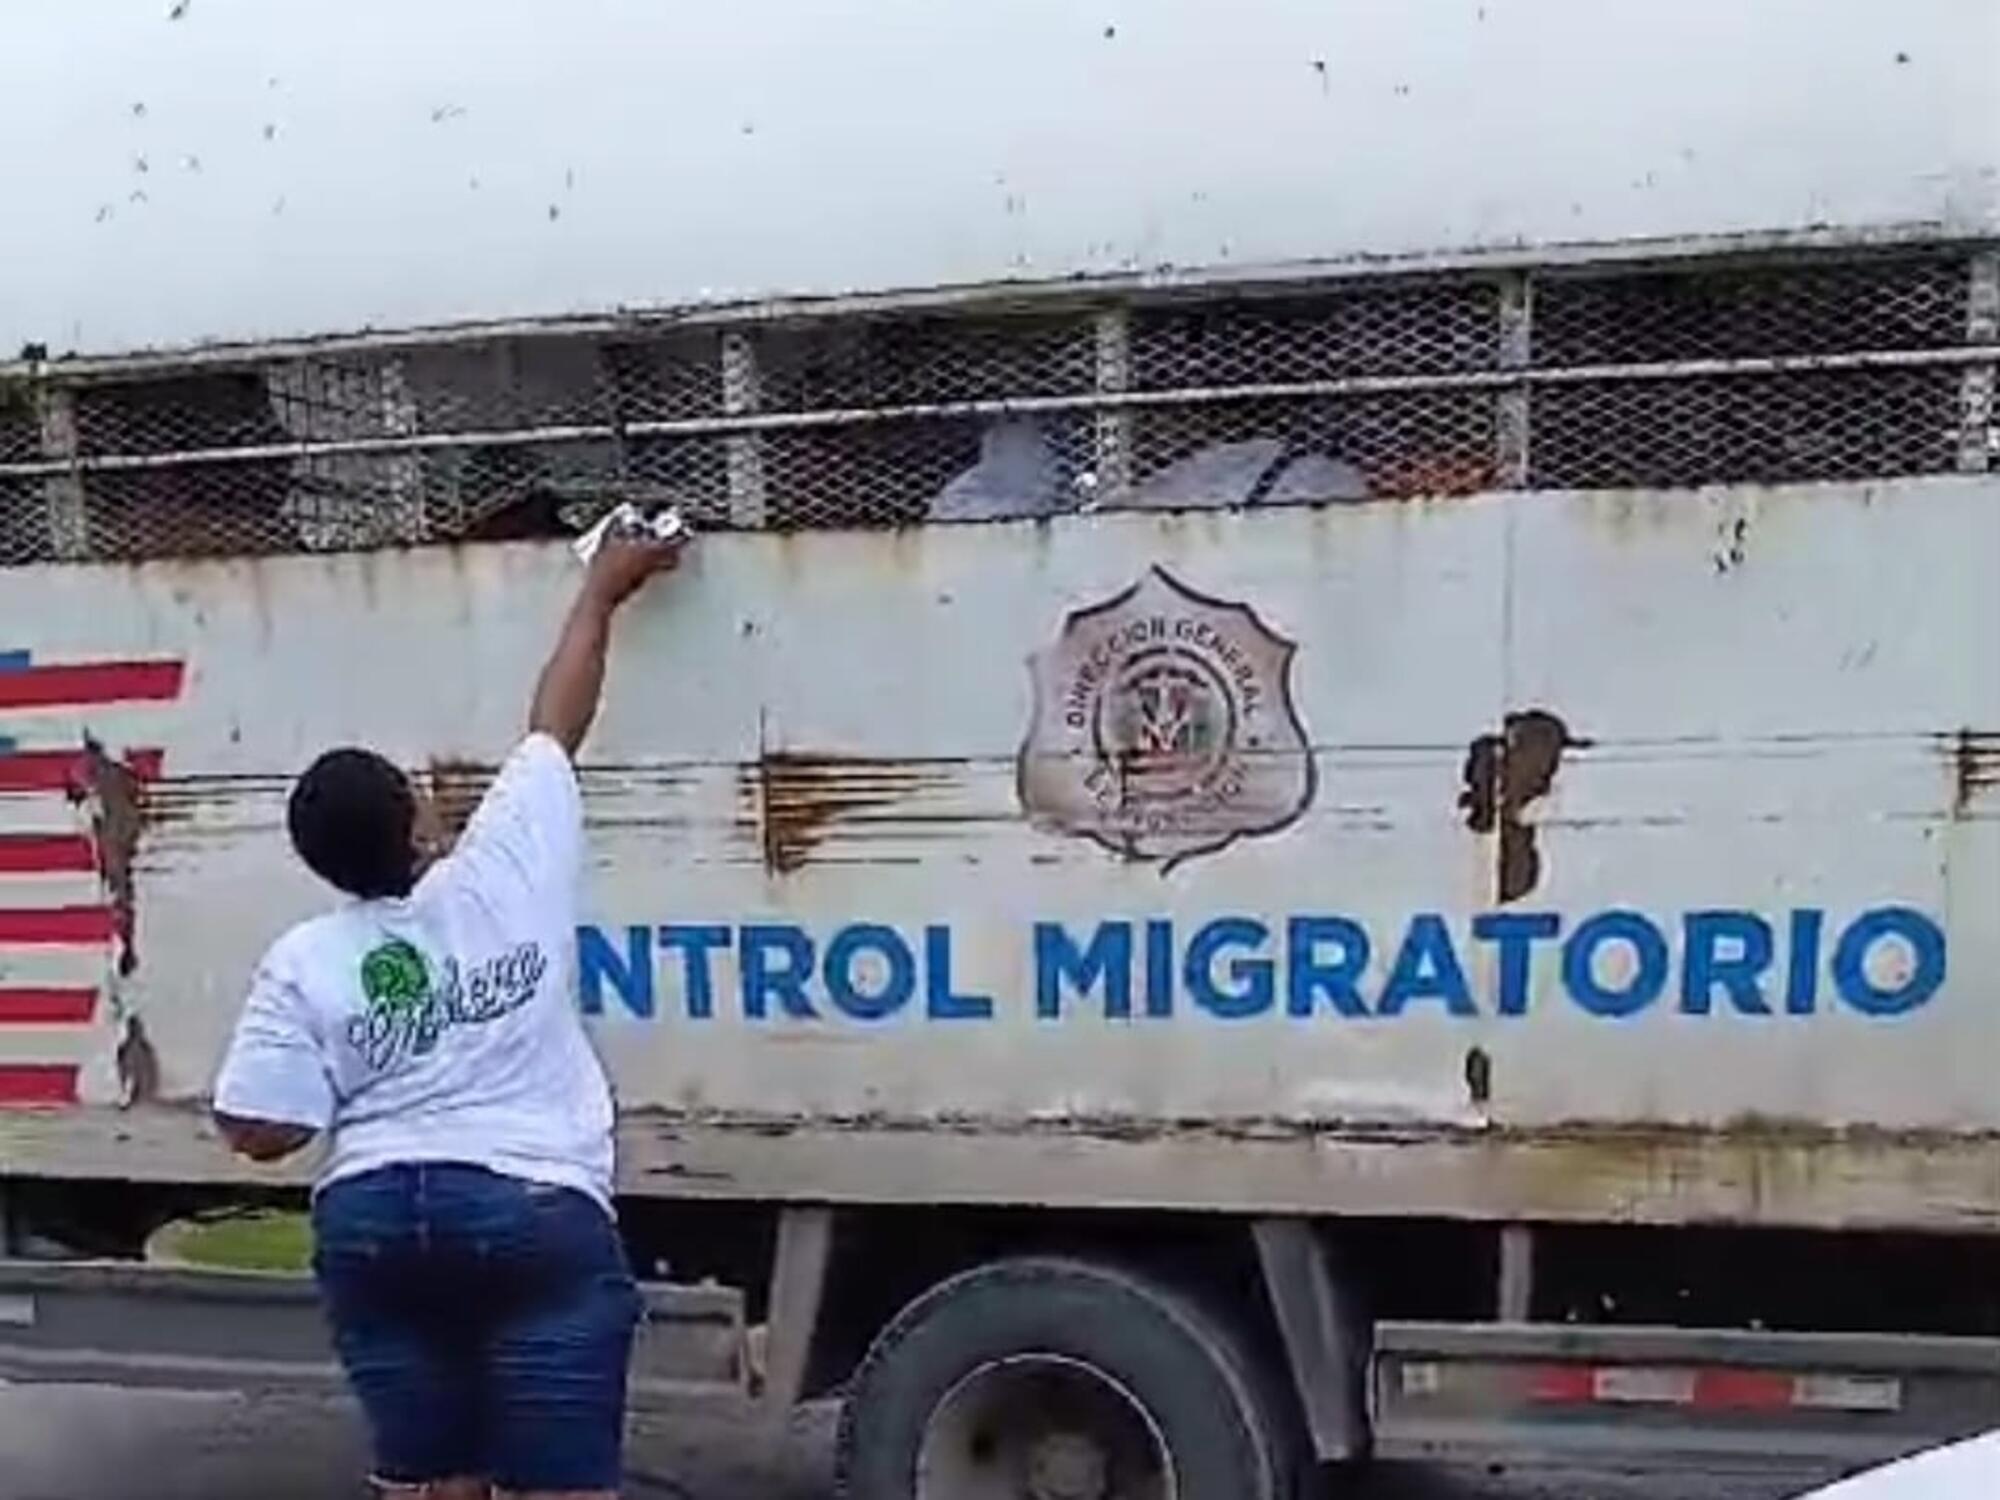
1224 1436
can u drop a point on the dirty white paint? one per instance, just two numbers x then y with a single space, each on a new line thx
253 170
821 730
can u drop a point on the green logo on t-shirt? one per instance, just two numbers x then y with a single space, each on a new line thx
403 1014
394 978
397 1015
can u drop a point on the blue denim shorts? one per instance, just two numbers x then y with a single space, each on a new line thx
484 1322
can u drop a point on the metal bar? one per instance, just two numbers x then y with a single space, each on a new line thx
137 1324
1815 1454
1038 296
1326 1341
1978 433
1656 1345
63 492
1517 296
1113 327
401 416
798 1285
1957 358
1515 1295
1652 1393
743 395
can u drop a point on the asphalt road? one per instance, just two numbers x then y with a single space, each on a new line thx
92 1444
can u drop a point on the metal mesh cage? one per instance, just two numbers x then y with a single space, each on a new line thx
883 430
899 473
1387 328
873 363
215 410
24 524
1393 444
20 422
665 379
1755 429
1703 371
1750 311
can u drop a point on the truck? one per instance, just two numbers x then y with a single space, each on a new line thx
1325 777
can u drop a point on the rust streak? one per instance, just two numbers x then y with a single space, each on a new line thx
798 796
1503 774
455 790
1975 766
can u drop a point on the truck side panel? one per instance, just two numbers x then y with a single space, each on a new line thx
1665 820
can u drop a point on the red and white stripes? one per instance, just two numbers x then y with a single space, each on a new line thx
59 925
1711 1389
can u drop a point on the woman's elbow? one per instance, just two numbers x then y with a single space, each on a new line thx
262 1141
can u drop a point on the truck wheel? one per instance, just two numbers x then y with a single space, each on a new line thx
1059 1380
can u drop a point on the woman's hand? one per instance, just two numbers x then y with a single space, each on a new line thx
623 565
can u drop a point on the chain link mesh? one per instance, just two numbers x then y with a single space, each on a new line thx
880 363
898 473
24 528
24 524
20 422
1379 445
1364 330
1750 311
1703 372
1756 429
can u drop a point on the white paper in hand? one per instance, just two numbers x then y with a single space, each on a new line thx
627 520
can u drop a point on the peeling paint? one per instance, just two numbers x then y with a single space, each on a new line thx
116 799
115 796
1797 1174
1739 1133
1729 550
1503 774
1479 792
138 1065
1478 1075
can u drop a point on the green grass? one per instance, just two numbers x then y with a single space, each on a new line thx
258 1240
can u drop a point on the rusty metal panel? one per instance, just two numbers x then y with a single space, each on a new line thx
1568 764
402 177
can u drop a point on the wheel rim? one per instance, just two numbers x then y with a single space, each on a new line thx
1042 1427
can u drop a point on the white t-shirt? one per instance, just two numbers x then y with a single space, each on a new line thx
441 1027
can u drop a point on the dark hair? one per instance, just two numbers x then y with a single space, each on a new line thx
350 818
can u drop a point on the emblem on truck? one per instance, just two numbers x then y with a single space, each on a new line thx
1164 726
